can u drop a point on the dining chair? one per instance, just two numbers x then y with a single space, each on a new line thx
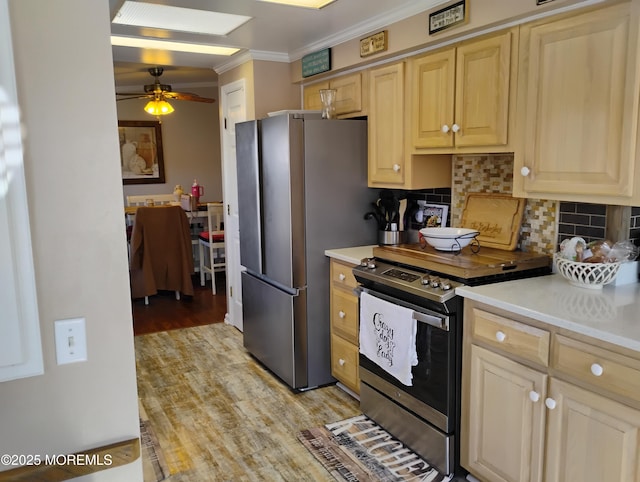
161 255
213 239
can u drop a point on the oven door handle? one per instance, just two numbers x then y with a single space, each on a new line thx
434 319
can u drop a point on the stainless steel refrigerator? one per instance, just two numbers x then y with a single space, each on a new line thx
302 189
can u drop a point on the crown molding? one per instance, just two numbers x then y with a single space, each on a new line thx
247 55
363 28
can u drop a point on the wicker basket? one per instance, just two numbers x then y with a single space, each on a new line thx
586 275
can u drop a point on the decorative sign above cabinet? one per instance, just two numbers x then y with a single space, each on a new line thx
450 16
373 44
316 63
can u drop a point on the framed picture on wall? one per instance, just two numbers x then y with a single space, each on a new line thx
141 157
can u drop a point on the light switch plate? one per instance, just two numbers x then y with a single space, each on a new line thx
71 341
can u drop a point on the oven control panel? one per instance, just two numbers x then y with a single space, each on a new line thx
433 286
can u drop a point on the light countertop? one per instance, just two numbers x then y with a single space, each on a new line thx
351 255
611 314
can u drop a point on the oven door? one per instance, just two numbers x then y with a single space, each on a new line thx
432 394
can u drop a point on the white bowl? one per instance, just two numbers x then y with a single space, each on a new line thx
586 275
449 239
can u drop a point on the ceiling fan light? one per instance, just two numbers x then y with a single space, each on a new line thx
158 107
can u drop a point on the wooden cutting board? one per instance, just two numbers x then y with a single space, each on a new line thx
496 216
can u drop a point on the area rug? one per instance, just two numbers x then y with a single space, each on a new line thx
357 449
154 466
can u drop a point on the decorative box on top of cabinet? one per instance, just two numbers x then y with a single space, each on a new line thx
349 99
344 326
464 96
391 164
578 98
540 403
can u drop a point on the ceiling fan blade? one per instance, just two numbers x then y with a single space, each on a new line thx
188 96
133 96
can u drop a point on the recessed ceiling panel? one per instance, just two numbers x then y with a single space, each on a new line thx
178 18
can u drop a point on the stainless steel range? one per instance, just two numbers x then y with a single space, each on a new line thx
426 414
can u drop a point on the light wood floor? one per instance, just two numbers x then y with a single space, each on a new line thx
220 416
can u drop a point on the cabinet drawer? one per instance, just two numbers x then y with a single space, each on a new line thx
597 366
344 363
511 336
342 275
344 315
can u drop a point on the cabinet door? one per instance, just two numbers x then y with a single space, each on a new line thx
506 426
348 93
386 125
577 107
482 92
312 96
590 438
432 107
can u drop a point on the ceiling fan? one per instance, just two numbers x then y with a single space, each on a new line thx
161 92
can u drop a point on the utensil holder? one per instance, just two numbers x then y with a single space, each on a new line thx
391 237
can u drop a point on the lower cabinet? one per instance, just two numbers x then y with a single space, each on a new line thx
344 326
506 427
526 416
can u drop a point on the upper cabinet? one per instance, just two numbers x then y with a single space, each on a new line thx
386 124
579 86
462 96
349 98
312 95
391 164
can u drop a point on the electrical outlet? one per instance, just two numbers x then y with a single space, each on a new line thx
71 341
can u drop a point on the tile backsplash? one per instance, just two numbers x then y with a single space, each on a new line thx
545 223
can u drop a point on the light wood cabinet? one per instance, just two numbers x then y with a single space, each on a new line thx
462 95
391 164
590 438
349 98
578 107
540 403
344 326
506 431
312 95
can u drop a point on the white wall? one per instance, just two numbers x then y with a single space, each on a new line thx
191 144
65 89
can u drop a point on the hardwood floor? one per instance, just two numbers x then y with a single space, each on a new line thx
219 415
164 312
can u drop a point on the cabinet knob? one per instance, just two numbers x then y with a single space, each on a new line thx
455 128
396 167
341 314
596 369
341 362
342 277
500 336
534 396
525 171
445 128
550 403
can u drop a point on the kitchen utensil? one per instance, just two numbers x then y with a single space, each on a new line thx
401 212
449 239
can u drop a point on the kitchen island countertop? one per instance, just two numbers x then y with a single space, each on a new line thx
611 314
351 255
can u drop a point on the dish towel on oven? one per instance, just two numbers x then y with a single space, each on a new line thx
388 336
